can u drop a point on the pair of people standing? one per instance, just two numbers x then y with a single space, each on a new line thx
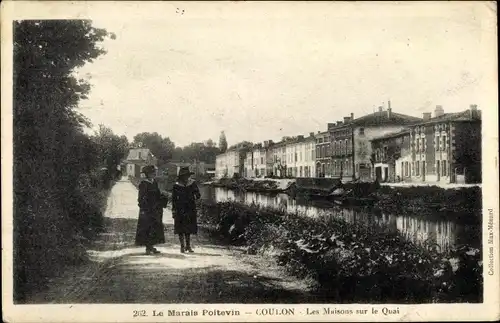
151 204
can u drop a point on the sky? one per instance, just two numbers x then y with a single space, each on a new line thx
263 71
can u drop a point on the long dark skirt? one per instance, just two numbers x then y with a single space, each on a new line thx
186 223
150 228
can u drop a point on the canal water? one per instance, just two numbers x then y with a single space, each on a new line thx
437 229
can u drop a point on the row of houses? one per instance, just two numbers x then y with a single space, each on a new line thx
389 146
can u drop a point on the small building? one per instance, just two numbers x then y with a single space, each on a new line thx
137 158
392 156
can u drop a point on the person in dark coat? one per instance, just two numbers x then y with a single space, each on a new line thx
150 229
184 195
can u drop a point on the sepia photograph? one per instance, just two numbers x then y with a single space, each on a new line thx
257 159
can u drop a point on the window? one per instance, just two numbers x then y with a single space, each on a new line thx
361 131
443 165
317 152
437 141
443 144
262 160
417 168
417 146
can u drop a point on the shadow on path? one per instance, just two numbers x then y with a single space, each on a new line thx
120 272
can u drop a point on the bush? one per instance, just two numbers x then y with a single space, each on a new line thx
351 263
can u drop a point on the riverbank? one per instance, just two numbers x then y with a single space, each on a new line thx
425 199
348 262
413 199
253 185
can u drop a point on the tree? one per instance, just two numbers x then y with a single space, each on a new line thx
112 148
162 148
51 150
222 142
209 143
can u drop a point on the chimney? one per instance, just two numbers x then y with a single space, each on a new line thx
439 111
380 109
339 123
426 116
331 125
300 137
346 119
389 110
311 134
473 111
352 116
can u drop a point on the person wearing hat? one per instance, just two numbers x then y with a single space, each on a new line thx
184 195
150 229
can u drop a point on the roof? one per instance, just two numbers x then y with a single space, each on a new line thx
382 118
138 154
393 134
455 116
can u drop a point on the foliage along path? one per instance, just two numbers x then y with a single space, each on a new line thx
120 272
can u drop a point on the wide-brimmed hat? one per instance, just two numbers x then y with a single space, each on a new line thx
184 171
148 169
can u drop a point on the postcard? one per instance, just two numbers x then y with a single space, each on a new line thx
249 161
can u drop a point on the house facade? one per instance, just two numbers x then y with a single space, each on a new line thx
392 156
278 159
306 156
447 147
137 158
323 155
228 164
359 162
341 139
255 162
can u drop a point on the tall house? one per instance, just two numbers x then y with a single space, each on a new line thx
447 147
228 164
323 155
354 156
300 156
278 158
341 145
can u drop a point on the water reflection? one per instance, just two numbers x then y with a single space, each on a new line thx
426 231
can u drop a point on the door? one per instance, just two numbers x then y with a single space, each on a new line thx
386 174
423 171
378 173
438 170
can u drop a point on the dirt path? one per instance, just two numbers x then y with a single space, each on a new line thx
121 273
